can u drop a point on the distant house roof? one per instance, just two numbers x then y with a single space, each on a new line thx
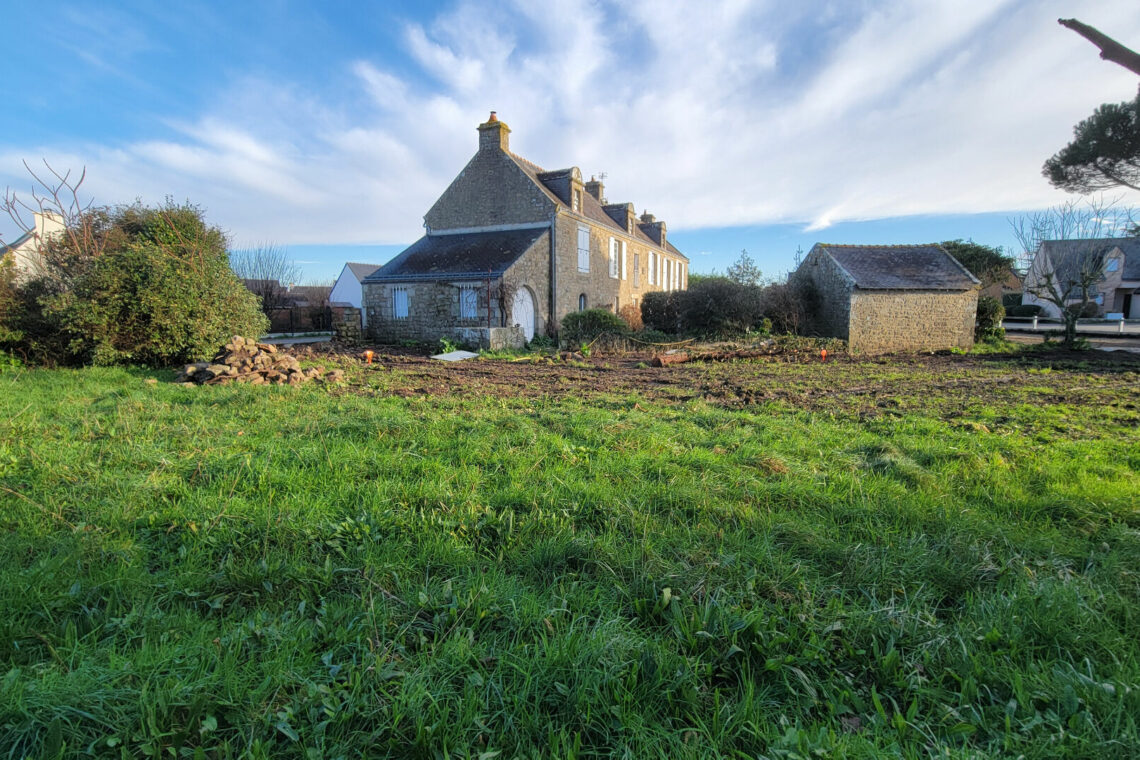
469 255
1068 256
309 295
900 267
360 271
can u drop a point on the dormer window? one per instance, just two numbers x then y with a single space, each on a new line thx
576 202
629 225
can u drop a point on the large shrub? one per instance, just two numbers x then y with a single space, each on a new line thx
135 285
659 310
720 306
987 325
585 326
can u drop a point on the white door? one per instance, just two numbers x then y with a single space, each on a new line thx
522 311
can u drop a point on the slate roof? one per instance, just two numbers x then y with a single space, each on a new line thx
1069 255
15 243
591 207
464 256
360 271
901 267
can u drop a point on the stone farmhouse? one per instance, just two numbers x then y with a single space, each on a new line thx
886 298
1112 265
510 249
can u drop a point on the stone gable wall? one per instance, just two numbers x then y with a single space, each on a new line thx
885 321
491 190
833 295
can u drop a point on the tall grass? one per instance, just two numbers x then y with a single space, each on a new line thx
287 572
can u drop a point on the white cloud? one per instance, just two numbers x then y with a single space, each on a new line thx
709 115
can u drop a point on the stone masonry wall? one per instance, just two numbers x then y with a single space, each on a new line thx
602 291
491 190
833 291
911 320
433 310
532 270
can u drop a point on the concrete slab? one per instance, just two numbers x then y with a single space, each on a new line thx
455 356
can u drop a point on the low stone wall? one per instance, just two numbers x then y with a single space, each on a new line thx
493 338
347 323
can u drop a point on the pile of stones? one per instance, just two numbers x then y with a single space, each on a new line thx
243 360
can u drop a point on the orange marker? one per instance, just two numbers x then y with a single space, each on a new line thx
823 354
368 357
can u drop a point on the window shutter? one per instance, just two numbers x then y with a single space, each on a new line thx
623 267
583 249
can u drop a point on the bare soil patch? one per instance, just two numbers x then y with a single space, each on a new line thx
942 385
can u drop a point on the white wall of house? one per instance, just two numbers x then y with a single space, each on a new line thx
26 256
347 289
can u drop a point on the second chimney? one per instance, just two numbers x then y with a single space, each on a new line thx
595 188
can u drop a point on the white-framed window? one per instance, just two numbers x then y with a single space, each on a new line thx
652 268
399 302
636 272
468 302
615 248
623 257
576 200
583 249
1112 265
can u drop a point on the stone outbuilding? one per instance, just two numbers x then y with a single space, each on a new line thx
886 298
510 249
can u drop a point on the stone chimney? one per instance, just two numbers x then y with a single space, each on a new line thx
493 134
653 228
595 188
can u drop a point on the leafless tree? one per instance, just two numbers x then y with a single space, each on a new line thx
1067 276
56 196
268 271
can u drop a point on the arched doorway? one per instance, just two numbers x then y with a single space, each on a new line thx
522 311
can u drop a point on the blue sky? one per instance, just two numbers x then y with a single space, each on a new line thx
330 128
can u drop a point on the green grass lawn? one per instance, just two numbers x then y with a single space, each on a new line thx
317 573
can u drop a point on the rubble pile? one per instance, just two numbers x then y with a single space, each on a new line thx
243 360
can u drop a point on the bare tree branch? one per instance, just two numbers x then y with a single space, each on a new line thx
267 271
1110 49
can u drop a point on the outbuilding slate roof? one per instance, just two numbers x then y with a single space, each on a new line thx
900 267
1068 255
469 255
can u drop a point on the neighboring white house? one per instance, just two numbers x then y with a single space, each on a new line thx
1111 266
347 289
25 250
